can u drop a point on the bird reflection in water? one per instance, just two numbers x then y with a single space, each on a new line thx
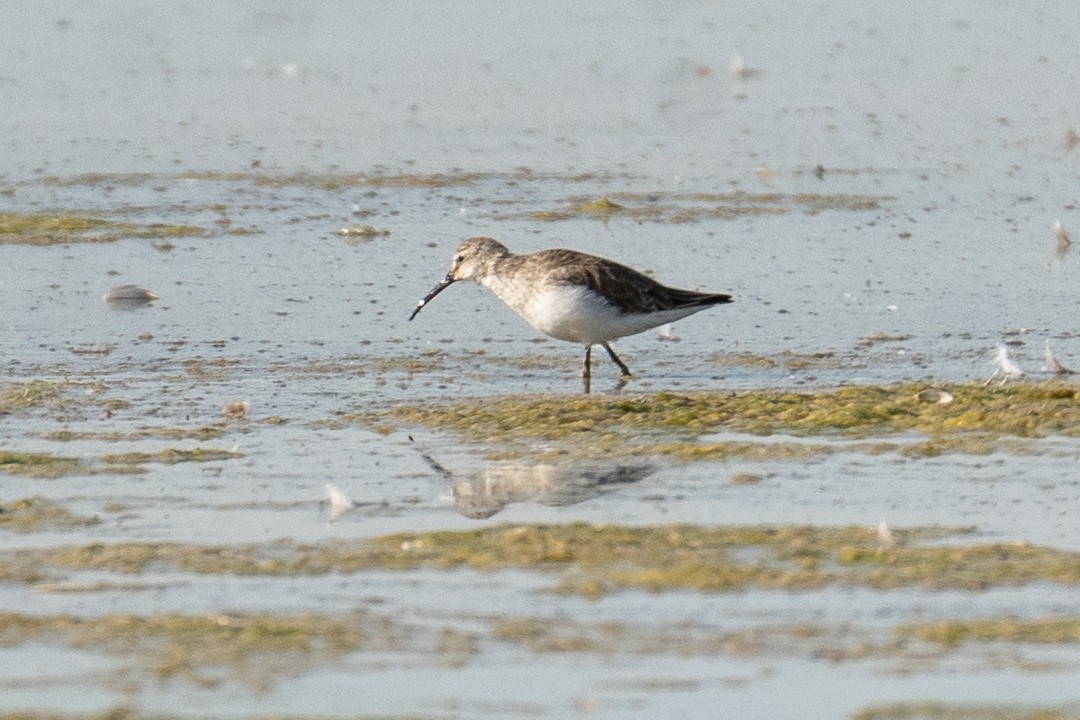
480 496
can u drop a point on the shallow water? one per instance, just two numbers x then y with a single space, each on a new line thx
923 242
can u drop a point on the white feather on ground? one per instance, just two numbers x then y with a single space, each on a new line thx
1005 366
1052 363
886 539
1064 242
340 503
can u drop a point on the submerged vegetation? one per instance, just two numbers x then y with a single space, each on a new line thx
329 181
929 710
63 400
340 181
249 647
600 559
636 205
45 465
18 396
35 513
594 560
258 648
38 464
171 456
953 633
66 227
692 207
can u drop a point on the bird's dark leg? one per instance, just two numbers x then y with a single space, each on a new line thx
622 366
586 371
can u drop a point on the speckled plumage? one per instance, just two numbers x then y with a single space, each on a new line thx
571 295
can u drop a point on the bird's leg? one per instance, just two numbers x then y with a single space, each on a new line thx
622 366
586 371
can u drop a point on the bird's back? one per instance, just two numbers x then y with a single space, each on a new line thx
629 290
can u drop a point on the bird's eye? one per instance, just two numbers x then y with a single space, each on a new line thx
458 259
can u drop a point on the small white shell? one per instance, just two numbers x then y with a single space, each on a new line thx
130 296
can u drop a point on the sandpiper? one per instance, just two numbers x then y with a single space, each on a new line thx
573 296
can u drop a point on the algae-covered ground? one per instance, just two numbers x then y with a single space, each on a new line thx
692 207
557 565
43 465
928 710
263 649
69 227
35 513
596 560
895 711
975 419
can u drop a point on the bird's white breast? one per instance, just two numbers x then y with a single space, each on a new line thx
578 314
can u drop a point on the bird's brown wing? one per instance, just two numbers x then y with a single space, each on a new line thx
628 289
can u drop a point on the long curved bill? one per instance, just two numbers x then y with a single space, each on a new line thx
443 284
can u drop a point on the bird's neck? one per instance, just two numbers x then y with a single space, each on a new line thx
500 279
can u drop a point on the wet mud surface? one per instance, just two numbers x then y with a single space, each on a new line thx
236 483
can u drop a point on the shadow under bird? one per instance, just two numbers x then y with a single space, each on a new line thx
573 296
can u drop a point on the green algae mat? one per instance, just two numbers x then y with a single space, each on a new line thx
965 418
594 560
